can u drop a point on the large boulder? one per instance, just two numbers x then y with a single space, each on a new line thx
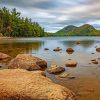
4 58
28 62
19 84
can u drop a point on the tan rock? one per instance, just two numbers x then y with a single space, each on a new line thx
98 49
55 70
19 84
69 50
28 62
4 57
63 75
71 64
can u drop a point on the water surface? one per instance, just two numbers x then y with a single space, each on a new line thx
86 84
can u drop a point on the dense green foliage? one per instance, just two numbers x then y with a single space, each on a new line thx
84 30
13 25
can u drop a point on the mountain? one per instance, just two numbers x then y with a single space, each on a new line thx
67 29
84 30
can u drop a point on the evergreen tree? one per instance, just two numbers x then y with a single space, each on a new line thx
12 25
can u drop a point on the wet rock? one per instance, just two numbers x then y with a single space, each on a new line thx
46 49
19 84
69 50
55 70
95 62
63 75
4 57
54 66
69 59
28 62
98 49
71 77
71 64
57 49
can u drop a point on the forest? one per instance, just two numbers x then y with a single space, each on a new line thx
13 25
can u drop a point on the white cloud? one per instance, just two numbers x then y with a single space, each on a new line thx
55 14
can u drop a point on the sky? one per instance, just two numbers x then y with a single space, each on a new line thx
53 15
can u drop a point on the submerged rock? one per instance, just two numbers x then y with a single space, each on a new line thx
19 84
28 62
63 75
4 57
46 49
95 62
71 64
77 42
55 70
57 49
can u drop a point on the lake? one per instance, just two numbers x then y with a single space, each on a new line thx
86 84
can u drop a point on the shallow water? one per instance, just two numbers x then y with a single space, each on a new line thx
86 84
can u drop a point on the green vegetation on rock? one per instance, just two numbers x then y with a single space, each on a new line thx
13 25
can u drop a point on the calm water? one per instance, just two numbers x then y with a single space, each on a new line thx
87 82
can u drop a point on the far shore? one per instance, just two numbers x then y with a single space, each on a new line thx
5 37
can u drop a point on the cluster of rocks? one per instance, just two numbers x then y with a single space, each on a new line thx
24 80
58 71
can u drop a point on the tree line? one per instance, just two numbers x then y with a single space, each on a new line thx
13 25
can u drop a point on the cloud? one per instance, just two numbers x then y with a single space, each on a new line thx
55 14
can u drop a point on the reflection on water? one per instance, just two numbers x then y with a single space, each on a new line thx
14 48
83 72
84 43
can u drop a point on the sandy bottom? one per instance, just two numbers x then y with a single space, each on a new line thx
85 88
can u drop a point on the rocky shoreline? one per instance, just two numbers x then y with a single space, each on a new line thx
24 80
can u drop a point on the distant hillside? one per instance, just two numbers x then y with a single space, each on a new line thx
84 30
67 29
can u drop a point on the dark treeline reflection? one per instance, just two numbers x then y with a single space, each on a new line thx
21 47
84 43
